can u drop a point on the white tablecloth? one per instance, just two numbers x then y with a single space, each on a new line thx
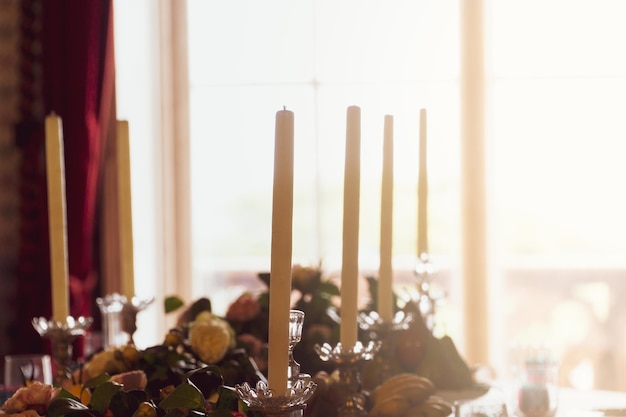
571 403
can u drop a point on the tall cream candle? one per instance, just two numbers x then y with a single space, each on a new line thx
385 273
350 259
55 168
475 257
125 209
280 270
422 190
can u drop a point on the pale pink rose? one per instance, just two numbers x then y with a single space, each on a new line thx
34 397
244 308
319 332
27 413
305 279
252 343
254 347
133 380
105 361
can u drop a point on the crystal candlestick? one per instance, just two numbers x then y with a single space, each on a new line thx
263 402
296 320
111 309
61 335
348 362
426 301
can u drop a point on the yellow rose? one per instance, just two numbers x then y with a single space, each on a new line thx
104 361
211 337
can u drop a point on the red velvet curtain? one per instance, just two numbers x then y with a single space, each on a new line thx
76 66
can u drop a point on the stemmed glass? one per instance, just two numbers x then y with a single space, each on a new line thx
21 370
296 320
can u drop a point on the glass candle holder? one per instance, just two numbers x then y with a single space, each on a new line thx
348 361
111 309
263 402
61 335
296 320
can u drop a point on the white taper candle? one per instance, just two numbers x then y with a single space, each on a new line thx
280 270
125 210
55 168
422 190
385 273
350 259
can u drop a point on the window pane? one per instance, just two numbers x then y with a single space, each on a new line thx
558 148
248 41
558 37
232 168
558 100
403 102
370 41
317 58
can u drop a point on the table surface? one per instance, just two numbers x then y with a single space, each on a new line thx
571 402
574 402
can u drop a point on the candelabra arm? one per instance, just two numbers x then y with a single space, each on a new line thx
262 401
129 315
348 362
61 335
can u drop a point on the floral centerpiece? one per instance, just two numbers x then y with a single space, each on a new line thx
191 373
199 393
248 316
194 370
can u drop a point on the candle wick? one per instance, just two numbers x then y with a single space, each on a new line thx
284 107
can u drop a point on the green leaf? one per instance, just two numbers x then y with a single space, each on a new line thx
102 395
207 379
61 406
172 303
206 369
97 380
175 412
63 393
221 413
329 288
123 403
264 300
227 399
185 395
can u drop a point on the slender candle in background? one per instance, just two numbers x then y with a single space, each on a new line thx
280 270
55 168
125 210
385 273
350 260
422 191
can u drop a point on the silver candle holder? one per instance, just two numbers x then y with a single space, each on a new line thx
61 335
384 332
129 314
264 401
348 362
426 301
119 318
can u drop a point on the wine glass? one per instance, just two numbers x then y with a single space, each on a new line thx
538 393
21 370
